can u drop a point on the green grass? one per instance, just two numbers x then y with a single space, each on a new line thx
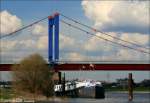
5 93
142 89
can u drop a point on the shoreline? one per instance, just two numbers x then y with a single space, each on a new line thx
127 91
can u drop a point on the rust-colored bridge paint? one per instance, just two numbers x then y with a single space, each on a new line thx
86 67
5 67
138 67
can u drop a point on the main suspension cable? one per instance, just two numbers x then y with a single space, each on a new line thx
95 30
113 42
14 32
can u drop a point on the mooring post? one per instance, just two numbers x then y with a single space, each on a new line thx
59 77
130 87
63 85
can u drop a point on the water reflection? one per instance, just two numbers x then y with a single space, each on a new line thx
111 97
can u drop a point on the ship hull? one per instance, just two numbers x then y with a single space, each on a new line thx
84 92
92 92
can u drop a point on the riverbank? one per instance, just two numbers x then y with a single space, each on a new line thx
7 95
135 89
38 100
111 97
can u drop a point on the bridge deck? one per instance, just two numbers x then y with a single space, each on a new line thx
72 67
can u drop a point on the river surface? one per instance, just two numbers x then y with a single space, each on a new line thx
111 97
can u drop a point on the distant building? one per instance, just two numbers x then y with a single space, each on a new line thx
145 83
122 82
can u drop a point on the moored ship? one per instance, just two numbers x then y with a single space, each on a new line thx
82 89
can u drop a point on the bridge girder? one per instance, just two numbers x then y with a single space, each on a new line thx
88 67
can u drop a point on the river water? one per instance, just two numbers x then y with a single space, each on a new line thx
111 97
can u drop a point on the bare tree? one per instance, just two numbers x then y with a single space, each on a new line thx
33 76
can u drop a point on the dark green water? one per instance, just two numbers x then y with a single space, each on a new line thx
111 97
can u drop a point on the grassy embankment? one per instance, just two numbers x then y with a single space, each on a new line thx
6 93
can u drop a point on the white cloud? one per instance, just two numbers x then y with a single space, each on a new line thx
39 30
118 15
74 56
97 10
104 50
66 41
136 38
9 22
17 45
7 45
121 54
99 45
97 49
42 43
126 54
125 20
141 39
42 32
92 49
29 43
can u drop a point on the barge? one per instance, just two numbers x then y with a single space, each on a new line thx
84 89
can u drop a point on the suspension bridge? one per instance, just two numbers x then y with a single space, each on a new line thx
53 47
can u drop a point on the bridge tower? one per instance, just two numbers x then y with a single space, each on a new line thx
53 41
53 38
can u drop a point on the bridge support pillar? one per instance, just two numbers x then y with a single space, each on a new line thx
130 87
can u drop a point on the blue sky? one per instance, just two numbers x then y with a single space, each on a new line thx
125 20
35 9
